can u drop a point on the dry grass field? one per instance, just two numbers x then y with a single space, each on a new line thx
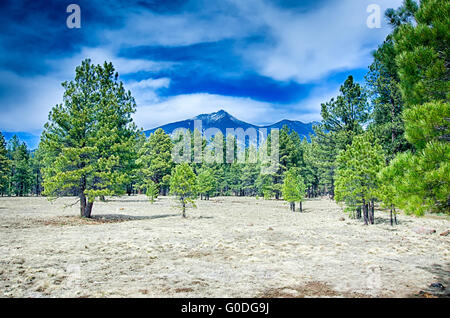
227 247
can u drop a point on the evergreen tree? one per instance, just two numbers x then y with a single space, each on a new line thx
152 190
343 119
387 101
183 184
347 113
356 177
36 166
310 167
387 191
422 53
155 158
250 172
422 58
206 183
293 188
21 171
88 144
5 168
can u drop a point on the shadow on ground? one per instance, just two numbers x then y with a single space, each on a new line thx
439 287
124 217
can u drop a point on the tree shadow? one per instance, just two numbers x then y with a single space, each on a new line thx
124 217
439 287
202 217
305 211
130 200
387 221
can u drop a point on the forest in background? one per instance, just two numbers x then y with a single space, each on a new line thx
384 141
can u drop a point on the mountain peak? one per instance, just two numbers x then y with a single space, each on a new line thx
216 116
222 112
222 120
220 115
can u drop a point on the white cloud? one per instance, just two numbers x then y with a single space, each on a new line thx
186 106
66 67
150 83
146 91
310 45
27 109
213 21
302 45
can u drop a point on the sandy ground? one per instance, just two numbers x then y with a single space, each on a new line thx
227 247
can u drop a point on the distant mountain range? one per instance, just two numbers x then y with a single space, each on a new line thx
223 120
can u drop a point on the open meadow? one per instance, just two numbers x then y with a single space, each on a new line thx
227 247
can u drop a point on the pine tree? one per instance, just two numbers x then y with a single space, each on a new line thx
310 167
152 191
356 176
5 168
36 166
423 66
301 188
250 172
88 144
155 159
387 101
206 183
183 184
348 112
293 188
422 53
343 119
21 170
387 191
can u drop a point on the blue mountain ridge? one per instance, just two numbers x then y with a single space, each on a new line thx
223 120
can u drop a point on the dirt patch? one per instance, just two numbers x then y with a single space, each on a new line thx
61 221
198 254
309 290
184 290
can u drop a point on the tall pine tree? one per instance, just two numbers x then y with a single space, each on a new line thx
88 144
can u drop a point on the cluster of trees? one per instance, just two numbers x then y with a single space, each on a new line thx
19 169
385 141
402 158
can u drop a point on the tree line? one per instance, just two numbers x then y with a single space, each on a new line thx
382 141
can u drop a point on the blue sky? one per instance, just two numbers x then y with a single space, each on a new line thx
261 60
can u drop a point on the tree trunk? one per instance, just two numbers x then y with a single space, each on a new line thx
366 213
392 219
88 211
301 207
395 217
372 212
358 213
393 135
82 204
85 207
184 209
